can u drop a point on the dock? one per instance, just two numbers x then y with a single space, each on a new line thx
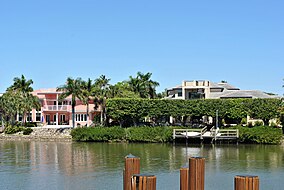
203 133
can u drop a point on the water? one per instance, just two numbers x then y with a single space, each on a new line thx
99 166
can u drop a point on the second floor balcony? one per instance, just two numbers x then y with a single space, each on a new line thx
56 108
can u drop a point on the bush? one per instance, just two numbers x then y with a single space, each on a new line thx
260 135
31 124
244 121
27 131
98 134
13 129
149 134
258 123
132 134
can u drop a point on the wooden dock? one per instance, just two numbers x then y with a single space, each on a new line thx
203 133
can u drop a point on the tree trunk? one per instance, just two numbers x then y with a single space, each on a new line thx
73 116
24 118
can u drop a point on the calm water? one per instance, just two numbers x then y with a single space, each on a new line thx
67 165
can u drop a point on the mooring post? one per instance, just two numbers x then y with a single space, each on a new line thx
132 166
196 173
246 182
143 182
184 178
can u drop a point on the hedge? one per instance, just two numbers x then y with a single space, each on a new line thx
259 135
123 110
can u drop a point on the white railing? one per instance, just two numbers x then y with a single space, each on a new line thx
55 108
178 132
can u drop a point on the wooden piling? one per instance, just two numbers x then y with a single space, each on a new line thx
132 166
246 182
184 178
143 182
196 173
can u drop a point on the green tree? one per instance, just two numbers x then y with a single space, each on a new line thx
264 109
143 85
23 88
21 84
10 105
73 88
87 90
121 90
100 93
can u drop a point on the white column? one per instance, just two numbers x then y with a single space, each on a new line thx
183 93
56 109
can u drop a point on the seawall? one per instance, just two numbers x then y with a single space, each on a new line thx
41 134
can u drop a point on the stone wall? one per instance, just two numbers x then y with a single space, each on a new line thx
41 134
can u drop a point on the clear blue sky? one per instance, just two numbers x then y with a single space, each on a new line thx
241 41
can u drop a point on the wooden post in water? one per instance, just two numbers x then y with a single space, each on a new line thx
196 173
143 182
132 166
184 178
246 182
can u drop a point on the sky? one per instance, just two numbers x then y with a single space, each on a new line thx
241 42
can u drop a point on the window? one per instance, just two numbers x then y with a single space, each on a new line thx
62 118
196 95
179 93
38 116
20 117
54 118
81 117
29 117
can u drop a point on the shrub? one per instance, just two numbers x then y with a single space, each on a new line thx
149 134
13 129
244 121
258 123
132 134
31 124
98 134
27 131
260 134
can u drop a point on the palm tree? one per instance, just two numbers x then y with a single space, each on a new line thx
150 85
88 89
143 85
23 87
72 88
135 85
101 94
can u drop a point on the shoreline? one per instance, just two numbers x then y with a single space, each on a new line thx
40 134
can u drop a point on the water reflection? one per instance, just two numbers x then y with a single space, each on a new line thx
68 165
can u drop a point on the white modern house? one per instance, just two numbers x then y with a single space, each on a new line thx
204 89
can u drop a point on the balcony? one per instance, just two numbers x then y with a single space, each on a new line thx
55 108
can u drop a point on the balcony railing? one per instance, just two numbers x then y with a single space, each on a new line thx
55 108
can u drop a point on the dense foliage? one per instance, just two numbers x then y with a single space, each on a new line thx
259 135
98 134
124 110
15 129
132 134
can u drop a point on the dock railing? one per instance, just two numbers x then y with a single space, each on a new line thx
225 134
181 132
228 133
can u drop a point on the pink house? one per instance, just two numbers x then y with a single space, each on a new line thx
56 112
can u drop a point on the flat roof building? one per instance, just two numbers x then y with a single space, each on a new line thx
204 89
